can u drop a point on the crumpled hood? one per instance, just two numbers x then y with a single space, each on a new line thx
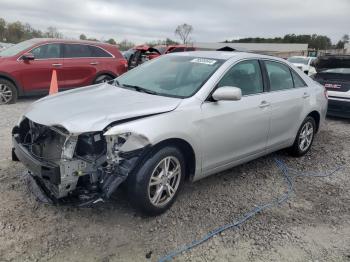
94 107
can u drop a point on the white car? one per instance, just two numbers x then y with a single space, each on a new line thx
304 63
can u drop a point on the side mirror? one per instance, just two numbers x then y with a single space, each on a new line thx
28 56
227 93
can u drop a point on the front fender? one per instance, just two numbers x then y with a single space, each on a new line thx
157 128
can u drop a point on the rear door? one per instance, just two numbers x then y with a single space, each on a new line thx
288 95
80 67
36 74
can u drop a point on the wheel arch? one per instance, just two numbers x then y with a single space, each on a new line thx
187 151
317 117
109 73
13 81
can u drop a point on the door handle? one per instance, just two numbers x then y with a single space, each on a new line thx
56 65
306 95
264 104
94 63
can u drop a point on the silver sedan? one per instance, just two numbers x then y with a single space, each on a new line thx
179 117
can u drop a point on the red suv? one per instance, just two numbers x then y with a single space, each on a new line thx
26 68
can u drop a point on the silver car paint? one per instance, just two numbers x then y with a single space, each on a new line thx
222 134
93 108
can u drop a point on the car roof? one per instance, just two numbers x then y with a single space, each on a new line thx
55 40
224 55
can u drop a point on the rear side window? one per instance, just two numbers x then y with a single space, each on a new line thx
246 75
298 82
279 76
76 50
98 52
47 51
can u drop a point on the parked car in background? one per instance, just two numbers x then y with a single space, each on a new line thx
182 116
304 63
26 68
333 72
142 53
166 49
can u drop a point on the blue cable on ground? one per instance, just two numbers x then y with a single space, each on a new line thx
286 171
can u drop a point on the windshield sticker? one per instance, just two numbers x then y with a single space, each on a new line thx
203 61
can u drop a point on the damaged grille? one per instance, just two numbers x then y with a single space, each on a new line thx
41 141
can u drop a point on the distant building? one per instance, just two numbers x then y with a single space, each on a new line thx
280 50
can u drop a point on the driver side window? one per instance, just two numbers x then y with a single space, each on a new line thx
246 75
47 51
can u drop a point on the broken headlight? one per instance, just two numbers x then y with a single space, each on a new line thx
121 144
90 144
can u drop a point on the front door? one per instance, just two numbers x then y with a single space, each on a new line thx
36 74
235 130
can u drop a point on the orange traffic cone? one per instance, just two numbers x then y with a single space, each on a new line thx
54 84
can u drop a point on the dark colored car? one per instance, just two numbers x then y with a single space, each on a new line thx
26 68
333 72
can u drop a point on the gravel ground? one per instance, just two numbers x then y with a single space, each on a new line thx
313 225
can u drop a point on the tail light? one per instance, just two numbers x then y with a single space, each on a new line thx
124 62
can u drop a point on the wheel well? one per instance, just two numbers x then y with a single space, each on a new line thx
105 73
187 151
10 80
315 115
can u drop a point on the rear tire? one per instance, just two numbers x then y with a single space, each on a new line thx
8 92
304 138
103 78
154 187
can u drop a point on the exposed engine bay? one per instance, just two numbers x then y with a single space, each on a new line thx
77 169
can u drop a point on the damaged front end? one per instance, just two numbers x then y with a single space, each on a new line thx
76 169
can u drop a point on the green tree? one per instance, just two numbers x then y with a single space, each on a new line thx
82 37
111 41
14 32
2 29
345 38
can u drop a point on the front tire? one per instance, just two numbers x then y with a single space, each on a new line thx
304 138
154 187
8 92
103 78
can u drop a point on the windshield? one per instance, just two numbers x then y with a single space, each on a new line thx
15 49
298 60
170 75
337 71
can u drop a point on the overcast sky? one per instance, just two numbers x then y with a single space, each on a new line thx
212 20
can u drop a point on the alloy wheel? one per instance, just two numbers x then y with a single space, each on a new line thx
5 94
306 135
164 181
